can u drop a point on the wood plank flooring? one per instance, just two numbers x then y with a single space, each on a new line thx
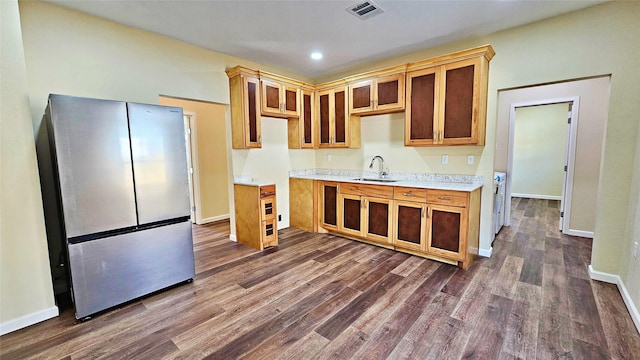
320 296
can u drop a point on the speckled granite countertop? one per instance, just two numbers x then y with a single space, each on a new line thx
415 180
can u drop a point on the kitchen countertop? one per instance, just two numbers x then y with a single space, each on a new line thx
247 180
415 180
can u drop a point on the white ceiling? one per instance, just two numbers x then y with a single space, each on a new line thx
283 33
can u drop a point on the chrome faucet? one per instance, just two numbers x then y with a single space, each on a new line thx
381 170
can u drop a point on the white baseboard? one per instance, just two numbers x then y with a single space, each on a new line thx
536 196
586 234
28 320
615 279
485 252
233 238
213 218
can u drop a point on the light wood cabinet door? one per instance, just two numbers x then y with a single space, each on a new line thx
377 96
279 100
307 120
460 108
245 112
378 220
333 117
329 205
410 225
351 214
302 130
421 115
447 235
446 104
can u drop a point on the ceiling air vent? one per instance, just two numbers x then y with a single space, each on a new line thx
365 10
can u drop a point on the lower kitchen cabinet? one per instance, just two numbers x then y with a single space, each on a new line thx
364 211
437 224
256 215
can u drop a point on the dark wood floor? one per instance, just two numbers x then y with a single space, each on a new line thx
320 296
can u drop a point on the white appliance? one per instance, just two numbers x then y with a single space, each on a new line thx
499 183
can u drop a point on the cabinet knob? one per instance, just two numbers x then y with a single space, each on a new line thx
407 194
445 198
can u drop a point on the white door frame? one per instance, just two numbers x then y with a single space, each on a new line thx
565 203
194 164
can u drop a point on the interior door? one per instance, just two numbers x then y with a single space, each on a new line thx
159 162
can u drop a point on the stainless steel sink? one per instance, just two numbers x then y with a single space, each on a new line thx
375 180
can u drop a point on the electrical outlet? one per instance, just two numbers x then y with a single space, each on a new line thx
445 159
470 159
635 250
329 157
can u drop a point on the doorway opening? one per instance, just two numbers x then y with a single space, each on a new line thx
541 155
209 159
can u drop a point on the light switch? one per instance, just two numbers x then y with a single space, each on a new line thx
470 159
445 159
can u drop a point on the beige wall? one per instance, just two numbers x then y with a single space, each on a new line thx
26 293
593 95
212 180
630 267
273 162
594 41
117 62
539 145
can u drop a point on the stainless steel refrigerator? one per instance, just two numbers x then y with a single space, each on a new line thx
117 197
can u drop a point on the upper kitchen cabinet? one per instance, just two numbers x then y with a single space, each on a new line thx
377 93
337 127
244 91
447 98
280 97
303 129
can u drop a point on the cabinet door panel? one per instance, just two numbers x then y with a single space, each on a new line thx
445 228
330 203
291 100
458 105
378 222
351 213
272 98
409 230
447 235
325 124
423 100
361 97
253 117
307 123
388 92
340 118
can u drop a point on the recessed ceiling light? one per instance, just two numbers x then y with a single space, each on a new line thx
316 55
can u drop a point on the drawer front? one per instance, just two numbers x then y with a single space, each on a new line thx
446 197
377 191
410 194
269 233
268 208
267 190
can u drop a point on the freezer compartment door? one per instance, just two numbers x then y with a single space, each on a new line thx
114 270
92 151
159 162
